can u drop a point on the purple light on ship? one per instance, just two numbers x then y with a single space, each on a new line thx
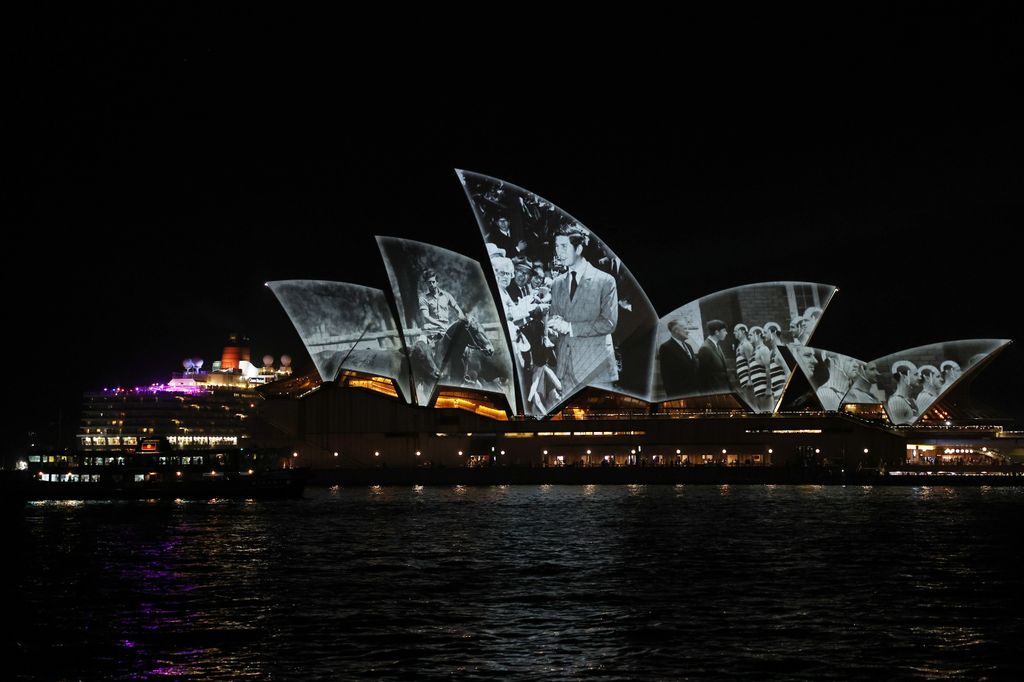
167 388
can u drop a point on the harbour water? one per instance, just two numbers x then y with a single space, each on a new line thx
522 582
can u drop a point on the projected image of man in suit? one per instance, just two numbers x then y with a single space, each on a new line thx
583 314
678 362
711 367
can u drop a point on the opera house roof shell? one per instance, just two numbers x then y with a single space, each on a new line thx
560 312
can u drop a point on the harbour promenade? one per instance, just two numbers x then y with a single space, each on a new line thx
640 475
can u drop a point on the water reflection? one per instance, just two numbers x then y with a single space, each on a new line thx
525 582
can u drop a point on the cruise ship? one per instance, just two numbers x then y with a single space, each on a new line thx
194 437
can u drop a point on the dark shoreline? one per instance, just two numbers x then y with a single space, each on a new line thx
18 487
654 476
16 495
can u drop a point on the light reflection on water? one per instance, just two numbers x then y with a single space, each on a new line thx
529 582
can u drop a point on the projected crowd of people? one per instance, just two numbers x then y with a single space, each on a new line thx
570 305
907 390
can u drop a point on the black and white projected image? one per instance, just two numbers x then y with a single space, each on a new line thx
731 342
912 380
864 388
679 341
836 378
576 315
345 326
449 320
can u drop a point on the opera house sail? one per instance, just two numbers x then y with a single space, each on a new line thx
731 342
906 383
346 326
575 314
547 338
449 321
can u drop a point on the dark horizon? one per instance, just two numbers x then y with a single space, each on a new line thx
174 202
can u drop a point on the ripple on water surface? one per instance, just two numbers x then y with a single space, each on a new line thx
524 582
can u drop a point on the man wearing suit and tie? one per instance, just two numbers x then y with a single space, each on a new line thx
678 362
584 312
711 367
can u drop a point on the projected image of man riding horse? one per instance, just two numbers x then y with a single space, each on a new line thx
437 307
452 342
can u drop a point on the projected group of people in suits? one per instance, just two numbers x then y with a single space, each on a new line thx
751 366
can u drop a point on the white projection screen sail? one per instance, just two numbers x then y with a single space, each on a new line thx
910 381
837 379
731 342
449 320
575 314
345 326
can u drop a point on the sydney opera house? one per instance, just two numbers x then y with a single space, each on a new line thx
546 351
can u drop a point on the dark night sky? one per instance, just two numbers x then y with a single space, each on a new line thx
156 182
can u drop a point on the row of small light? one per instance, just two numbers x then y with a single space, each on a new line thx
376 453
725 451
962 451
